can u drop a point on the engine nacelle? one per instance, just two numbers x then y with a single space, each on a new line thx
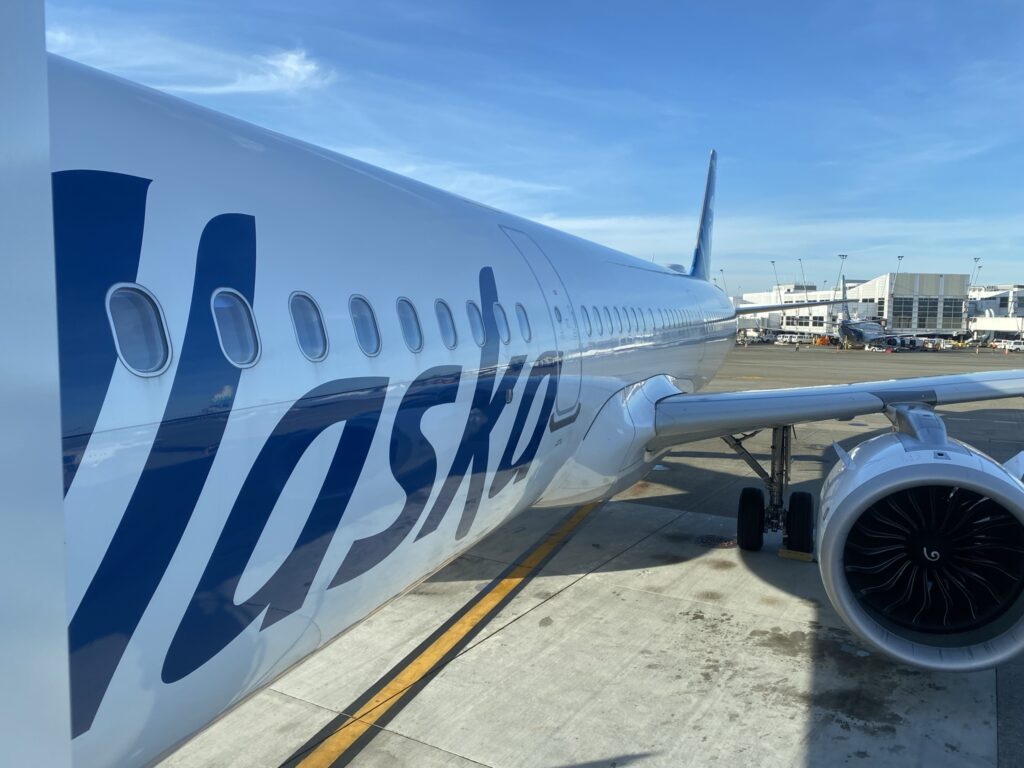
921 547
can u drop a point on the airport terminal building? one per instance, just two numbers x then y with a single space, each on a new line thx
996 311
917 302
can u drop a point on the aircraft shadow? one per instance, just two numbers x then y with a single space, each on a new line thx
853 703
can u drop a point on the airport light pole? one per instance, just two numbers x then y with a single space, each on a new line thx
892 288
778 289
725 287
967 299
842 265
803 279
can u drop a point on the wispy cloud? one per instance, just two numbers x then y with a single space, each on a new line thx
285 71
449 96
508 193
404 118
177 66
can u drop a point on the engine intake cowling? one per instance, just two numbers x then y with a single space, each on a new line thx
921 550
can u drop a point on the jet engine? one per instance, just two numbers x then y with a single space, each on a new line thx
921 546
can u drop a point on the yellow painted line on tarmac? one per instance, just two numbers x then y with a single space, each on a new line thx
331 749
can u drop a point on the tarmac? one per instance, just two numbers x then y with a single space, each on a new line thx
643 636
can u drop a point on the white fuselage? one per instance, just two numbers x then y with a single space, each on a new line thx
214 514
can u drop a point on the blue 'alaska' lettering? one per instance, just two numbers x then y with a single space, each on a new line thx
191 430
98 219
512 469
488 403
413 465
213 618
176 470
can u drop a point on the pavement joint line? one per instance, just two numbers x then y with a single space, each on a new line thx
399 734
301 700
494 560
559 591
596 569
340 740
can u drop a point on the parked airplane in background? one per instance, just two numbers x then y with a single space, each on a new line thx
293 384
854 333
857 333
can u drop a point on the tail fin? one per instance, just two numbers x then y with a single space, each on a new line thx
701 267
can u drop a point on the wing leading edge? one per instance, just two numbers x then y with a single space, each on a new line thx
752 309
685 418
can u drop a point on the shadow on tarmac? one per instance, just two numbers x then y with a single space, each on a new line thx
853 712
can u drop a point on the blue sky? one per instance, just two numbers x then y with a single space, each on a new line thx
866 128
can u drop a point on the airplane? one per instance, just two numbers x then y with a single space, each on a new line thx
857 333
292 385
854 333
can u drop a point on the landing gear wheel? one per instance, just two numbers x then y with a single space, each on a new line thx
800 522
750 520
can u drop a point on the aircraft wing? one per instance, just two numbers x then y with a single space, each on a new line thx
685 418
751 309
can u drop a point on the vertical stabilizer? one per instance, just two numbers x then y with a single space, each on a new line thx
701 266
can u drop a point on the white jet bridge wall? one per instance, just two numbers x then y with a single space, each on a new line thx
35 727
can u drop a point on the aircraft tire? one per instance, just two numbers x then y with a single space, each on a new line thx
800 522
750 520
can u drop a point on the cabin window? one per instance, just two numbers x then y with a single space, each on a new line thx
524 322
628 323
650 317
365 324
586 320
138 328
476 323
598 325
636 322
502 320
236 328
309 326
618 319
446 324
410 322
558 315
608 320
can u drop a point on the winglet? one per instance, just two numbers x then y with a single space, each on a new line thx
701 267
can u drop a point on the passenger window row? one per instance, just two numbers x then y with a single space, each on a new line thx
602 321
140 329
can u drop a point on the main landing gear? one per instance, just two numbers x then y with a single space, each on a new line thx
755 517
